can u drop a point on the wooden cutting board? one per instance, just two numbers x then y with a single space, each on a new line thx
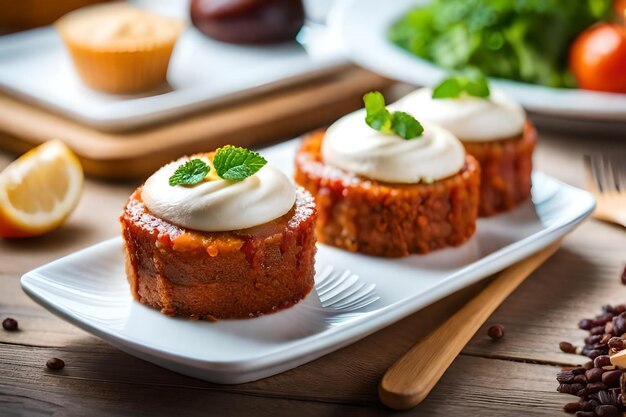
280 114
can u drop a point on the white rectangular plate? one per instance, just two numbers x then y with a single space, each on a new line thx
89 289
203 73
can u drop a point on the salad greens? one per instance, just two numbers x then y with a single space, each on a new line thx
524 40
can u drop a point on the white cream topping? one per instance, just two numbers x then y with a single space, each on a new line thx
219 205
471 119
352 145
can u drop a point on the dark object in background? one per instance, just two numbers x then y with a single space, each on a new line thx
18 15
248 21
9 324
55 364
496 331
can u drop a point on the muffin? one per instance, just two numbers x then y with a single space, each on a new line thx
495 130
117 48
219 248
381 194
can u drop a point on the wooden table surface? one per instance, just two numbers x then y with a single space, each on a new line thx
513 376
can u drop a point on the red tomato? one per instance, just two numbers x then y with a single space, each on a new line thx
597 58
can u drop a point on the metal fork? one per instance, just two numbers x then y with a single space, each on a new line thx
343 291
606 180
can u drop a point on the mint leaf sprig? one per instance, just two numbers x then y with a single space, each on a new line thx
236 164
455 86
398 123
230 163
189 173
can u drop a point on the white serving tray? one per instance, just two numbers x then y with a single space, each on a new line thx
362 26
203 73
89 289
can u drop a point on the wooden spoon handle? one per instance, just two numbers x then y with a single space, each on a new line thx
415 374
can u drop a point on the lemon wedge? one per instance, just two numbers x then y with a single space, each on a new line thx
39 190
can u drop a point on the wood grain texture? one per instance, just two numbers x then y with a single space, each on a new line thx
415 374
581 277
102 382
277 115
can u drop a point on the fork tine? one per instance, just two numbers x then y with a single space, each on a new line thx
604 174
362 303
345 284
364 291
322 277
606 179
590 170
332 283
600 171
336 299
342 291
620 173
607 165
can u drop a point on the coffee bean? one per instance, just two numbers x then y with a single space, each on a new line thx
616 343
619 309
578 370
593 375
603 360
605 397
603 319
624 276
566 388
599 346
597 330
9 324
592 354
605 338
565 377
581 379
567 347
55 363
496 331
571 407
606 411
591 388
585 414
588 365
611 378
585 324
622 386
588 405
619 322
593 339
609 328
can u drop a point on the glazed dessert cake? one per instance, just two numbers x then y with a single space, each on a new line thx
383 194
492 127
208 237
